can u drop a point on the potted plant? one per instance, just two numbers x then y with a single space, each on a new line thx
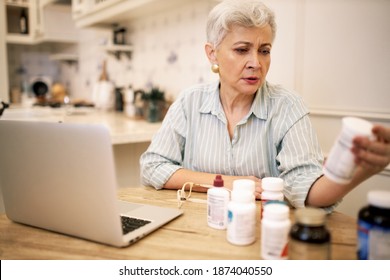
154 104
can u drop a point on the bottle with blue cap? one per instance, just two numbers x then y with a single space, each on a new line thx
374 227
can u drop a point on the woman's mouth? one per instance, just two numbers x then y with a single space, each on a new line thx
251 80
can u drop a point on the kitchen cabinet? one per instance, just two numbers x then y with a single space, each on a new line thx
13 12
47 21
90 13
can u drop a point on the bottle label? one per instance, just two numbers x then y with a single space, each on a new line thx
217 211
339 166
274 242
299 250
373 242
241 227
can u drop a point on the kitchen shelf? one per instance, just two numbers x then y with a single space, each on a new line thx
64 57
117 50
106 13
17 38
18 4
48 21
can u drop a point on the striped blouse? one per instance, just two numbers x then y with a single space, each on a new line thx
274 139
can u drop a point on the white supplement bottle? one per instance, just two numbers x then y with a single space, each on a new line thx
217 202
241 229
340 164
244 184
275 228
272 190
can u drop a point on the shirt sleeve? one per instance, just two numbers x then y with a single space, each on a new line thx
299 157
164 156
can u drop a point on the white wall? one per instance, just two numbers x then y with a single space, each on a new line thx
168 51
335 54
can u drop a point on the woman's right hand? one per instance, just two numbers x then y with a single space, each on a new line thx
228 180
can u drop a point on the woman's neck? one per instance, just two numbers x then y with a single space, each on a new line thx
236 106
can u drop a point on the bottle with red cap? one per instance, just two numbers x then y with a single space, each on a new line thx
218 198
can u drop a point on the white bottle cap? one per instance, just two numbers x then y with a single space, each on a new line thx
272 184
357 127
242 196
276 211
379 199
244 184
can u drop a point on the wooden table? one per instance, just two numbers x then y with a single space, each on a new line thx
187 237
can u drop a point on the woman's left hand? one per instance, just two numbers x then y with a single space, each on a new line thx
373 156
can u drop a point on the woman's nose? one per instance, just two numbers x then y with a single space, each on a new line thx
253 61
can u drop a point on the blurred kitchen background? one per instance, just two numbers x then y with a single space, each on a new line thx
333 53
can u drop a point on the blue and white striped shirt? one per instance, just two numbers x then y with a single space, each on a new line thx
274 139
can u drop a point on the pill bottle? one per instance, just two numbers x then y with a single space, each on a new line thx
217 201
272 190
340 164
309 237
129 102
244 184
374 227
275 227
241 228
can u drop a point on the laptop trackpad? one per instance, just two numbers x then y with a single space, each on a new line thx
125 207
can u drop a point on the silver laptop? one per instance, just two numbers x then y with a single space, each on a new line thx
61 177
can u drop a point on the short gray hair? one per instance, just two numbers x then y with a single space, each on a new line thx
246 13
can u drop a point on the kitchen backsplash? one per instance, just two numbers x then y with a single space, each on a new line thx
168 52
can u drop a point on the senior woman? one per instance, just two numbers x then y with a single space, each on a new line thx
244 127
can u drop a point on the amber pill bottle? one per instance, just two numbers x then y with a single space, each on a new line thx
309 237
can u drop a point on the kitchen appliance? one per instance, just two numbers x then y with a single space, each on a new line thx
40 86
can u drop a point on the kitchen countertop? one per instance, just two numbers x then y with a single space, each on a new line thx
123 129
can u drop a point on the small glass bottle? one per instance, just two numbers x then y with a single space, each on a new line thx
241 229
309 238
374 227
217 202
23 22
275 227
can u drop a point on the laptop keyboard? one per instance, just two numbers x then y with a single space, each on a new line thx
129 223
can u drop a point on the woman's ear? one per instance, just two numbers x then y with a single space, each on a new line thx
211 53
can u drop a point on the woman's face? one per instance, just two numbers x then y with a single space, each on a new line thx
244 58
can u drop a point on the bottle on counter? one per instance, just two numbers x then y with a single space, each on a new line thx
272 191
374 227
275 227
217 202
309 238
241 228
244 184
129 102
103 94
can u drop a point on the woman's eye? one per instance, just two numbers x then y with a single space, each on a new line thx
241 50
265 51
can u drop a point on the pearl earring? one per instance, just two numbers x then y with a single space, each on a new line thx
215 68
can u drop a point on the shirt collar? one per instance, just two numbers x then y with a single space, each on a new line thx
212 103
